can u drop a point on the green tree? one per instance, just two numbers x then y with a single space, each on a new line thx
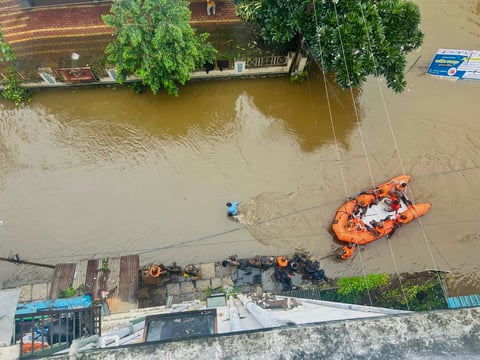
155 41
353 38
11 88
6 52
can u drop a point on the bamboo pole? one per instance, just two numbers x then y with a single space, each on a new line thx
24 262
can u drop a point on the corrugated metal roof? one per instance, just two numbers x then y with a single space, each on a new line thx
62 279
117 277
463 301
128 285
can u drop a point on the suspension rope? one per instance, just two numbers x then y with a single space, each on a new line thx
337 148
395 143
359 127
336 139
357 117
322 68
330 113
194 242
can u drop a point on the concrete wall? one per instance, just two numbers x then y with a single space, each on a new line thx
445 334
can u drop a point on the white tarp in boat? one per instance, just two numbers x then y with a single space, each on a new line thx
379 211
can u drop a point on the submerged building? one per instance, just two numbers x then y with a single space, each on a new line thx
62 42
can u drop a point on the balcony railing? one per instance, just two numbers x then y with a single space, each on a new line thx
45 332
267 61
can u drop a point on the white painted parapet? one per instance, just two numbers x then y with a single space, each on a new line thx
264 317
235 323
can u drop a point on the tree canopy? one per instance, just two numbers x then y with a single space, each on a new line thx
155 41
352 38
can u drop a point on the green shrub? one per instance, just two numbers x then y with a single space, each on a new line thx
417 293
136 87
13 91
68 293
359 284
414 297
299 77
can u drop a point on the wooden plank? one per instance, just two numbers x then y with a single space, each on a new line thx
114 276
91 278
62 279
103 273
128 285
80 273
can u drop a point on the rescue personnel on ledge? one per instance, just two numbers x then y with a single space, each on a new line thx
282 261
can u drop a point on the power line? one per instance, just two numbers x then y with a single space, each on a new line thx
193 242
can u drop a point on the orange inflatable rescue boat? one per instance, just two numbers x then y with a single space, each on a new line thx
375 213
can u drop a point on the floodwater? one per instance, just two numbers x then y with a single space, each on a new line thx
102 172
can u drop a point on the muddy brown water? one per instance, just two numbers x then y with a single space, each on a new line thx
100 172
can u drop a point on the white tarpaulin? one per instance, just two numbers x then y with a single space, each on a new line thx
8 306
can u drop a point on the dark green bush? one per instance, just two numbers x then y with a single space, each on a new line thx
352 289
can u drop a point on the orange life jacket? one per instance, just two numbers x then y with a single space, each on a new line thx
409 214
365 199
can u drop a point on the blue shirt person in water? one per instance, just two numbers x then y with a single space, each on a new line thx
232 208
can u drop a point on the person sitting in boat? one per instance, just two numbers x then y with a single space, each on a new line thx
372 228
398 191
401 187
378 228
232 208
383 190
393 204
385 227
360 208
356 225
405 217
377 192
365 199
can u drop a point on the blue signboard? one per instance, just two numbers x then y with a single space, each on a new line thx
456 64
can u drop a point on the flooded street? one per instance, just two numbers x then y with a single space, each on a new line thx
103 172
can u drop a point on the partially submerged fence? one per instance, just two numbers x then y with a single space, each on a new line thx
71 73
267 61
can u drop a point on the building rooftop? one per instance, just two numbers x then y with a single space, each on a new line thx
443 334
